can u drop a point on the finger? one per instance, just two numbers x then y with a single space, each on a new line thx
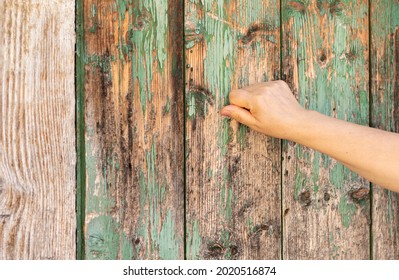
240 98
239 114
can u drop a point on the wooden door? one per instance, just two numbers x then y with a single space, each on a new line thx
127 157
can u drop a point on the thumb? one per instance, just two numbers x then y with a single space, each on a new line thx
239 114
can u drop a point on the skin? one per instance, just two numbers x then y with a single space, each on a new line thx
272 109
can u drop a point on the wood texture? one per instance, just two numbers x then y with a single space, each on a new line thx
385 115
233 181
153 138
134 129
325 60
37 130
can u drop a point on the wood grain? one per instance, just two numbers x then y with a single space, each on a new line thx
37 130
325 60
385 115
134 129
233 174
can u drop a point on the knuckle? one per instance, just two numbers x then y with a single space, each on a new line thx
233 95
237 95
281 83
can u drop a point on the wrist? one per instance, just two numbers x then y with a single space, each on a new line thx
302 128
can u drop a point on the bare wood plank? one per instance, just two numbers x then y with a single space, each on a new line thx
134 130
325 60
37 130
385 115
233 180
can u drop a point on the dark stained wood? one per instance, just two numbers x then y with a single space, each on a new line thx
325 47
233 174
385 115
134 129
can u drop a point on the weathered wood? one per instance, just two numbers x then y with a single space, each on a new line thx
385 115
233 181
134 129
325 60
37 130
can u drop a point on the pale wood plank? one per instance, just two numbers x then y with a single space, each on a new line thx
233 180
385 115
325 60
37 130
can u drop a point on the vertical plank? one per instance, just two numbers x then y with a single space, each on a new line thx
385 115
233 181
37 130
80 130
134 129
325 60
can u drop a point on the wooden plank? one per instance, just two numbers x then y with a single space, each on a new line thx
325 60
233 174
37 130
385 115
134 129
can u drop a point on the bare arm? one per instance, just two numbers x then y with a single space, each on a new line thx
271 108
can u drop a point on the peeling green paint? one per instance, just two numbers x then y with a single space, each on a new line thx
242 135
197 102
94 19
337 176
145 46
99 201
157 229
194 241
102 62
224 136
347 211
384 66
103 239
149 36
167 241
229 202
167 105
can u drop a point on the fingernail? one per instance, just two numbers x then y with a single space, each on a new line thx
225 113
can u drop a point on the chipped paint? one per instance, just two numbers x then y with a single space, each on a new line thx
157 229
326 60
194 241
347 211
103 239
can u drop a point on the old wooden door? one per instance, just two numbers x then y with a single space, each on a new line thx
159 173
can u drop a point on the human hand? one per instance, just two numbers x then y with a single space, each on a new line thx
268 107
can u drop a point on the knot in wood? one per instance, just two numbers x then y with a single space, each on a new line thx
359 194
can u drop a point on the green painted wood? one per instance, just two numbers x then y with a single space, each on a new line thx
385 115
134 111
80 130
233 174
130 77
325 48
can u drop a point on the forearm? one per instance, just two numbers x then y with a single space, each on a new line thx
372 153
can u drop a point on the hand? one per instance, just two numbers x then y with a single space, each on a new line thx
268 107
